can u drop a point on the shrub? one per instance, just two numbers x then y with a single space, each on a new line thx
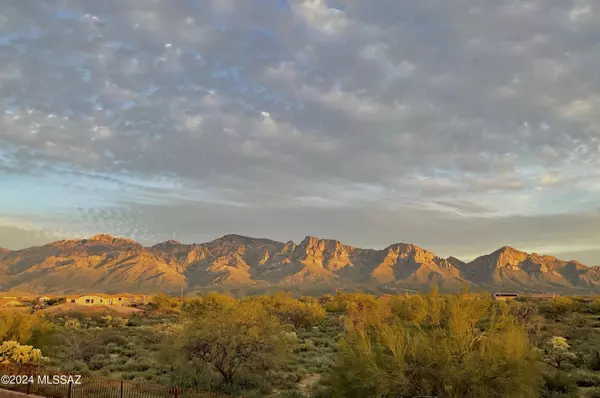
96 363
250 381
290 310
114 338
558 352
559 306
322 392
134 321
559 383
593 393
12 352
22 327
594 361
411 309
291 394
164 304
586 378
211 302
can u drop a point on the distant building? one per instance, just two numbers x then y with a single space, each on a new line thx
87 299
105 299
542 296
43 299
504 296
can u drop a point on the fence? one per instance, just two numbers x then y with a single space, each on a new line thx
48 383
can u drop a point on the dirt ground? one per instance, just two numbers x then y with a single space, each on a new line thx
306 385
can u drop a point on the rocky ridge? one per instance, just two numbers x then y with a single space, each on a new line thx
244 265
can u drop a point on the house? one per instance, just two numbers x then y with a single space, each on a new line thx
88 299
43 299
542 296
129 299
125 299
588 299
504 296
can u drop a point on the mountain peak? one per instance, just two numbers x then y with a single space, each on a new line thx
168 244
406 248
241 239
312 241
508 250
458 263
108 239
98 239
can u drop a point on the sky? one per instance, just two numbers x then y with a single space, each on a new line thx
458 125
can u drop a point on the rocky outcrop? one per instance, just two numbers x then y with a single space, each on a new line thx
517 270
234 262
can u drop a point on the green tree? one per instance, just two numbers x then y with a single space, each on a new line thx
558 352
290 310
11 352
412 308
468 348
23 327
237 338
210 303
165 304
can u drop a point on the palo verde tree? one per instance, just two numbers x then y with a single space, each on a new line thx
234 338
290 310
558 352
13 353
461 348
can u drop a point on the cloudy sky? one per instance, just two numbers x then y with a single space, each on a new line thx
458 125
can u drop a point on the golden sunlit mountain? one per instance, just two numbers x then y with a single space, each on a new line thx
245 265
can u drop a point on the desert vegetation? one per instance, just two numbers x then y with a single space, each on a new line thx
343 345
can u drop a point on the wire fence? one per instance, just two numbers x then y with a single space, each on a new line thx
43 382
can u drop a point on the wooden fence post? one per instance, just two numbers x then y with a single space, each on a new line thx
29 374
69 389
121 390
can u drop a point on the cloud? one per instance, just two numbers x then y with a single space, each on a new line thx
479 109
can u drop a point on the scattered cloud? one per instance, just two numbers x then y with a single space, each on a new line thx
467 113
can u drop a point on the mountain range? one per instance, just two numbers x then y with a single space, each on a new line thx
244 265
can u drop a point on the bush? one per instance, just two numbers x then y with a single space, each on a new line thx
114 338
290 310
593 393
23 327
164 304
249 381
134 321
593 362
14 353
96 363
322 392
586 378
559 383
291 394
559 306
